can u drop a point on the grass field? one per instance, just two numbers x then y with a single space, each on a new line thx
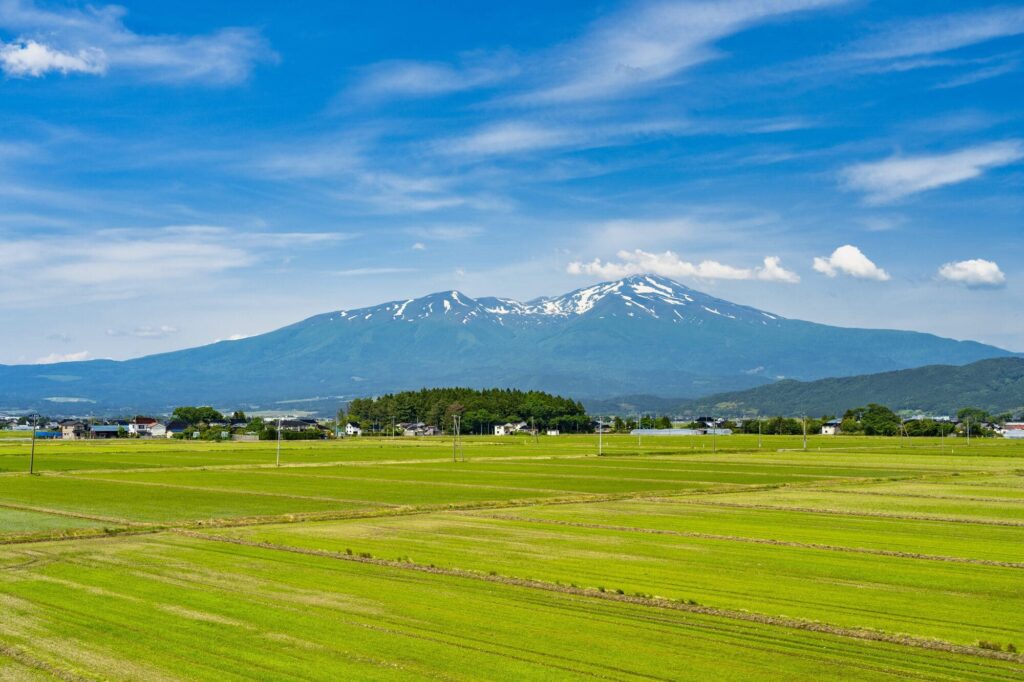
668 558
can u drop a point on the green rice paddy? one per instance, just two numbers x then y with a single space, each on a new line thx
666 558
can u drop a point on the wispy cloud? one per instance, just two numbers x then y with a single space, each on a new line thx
521 136
976 273
447 233
411 79
647 44
146 332
901 176
849 260
95 40
54 358
978 75
938 34
366 272
669 264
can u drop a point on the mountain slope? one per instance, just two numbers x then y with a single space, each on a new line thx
639 335
996 385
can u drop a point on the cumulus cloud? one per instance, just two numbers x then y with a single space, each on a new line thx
669 264
95 40
901 176
976 273
849 260
28 58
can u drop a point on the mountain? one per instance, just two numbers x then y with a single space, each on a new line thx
996 385
639 335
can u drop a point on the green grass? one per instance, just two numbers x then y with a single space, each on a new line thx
154 607
859 558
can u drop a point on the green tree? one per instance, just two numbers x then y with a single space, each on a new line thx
194 416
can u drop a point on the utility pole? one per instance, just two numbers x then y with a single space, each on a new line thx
456 419
32 454
600 436
714 436
758 433
805 432
968 430
278 441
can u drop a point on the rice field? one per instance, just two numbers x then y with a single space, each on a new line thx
666 558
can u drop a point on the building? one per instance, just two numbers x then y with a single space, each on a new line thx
1013 430
509 429
174 428
142 426
158 430
832 427
353 430
553 432
73 430
419 429
107 431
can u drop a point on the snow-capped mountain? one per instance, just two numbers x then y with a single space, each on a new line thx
639 335
641 295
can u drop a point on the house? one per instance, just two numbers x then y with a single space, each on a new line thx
832 427
552 432
107 430
158 430
509 428
174 427
420 429
141 426
73 430
1013 430
353 429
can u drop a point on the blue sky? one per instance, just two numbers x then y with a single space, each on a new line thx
176 173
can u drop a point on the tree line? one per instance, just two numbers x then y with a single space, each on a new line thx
480 410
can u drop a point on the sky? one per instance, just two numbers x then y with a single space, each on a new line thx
173 174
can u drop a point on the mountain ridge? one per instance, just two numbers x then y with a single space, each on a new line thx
642 334
995 385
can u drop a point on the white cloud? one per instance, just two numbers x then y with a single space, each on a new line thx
29 58
95 40
901 176
366 272
519 136
53 358
146 332
943 33
669 264
419 246
651 43
402 78
849 260
447 233
974 273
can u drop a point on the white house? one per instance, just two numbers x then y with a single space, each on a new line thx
552 432
353 430
158 430
142 426
509 429
831 428
1013 430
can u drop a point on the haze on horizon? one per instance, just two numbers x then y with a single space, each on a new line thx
174 175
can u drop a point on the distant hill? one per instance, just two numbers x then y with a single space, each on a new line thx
995 385
639 335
